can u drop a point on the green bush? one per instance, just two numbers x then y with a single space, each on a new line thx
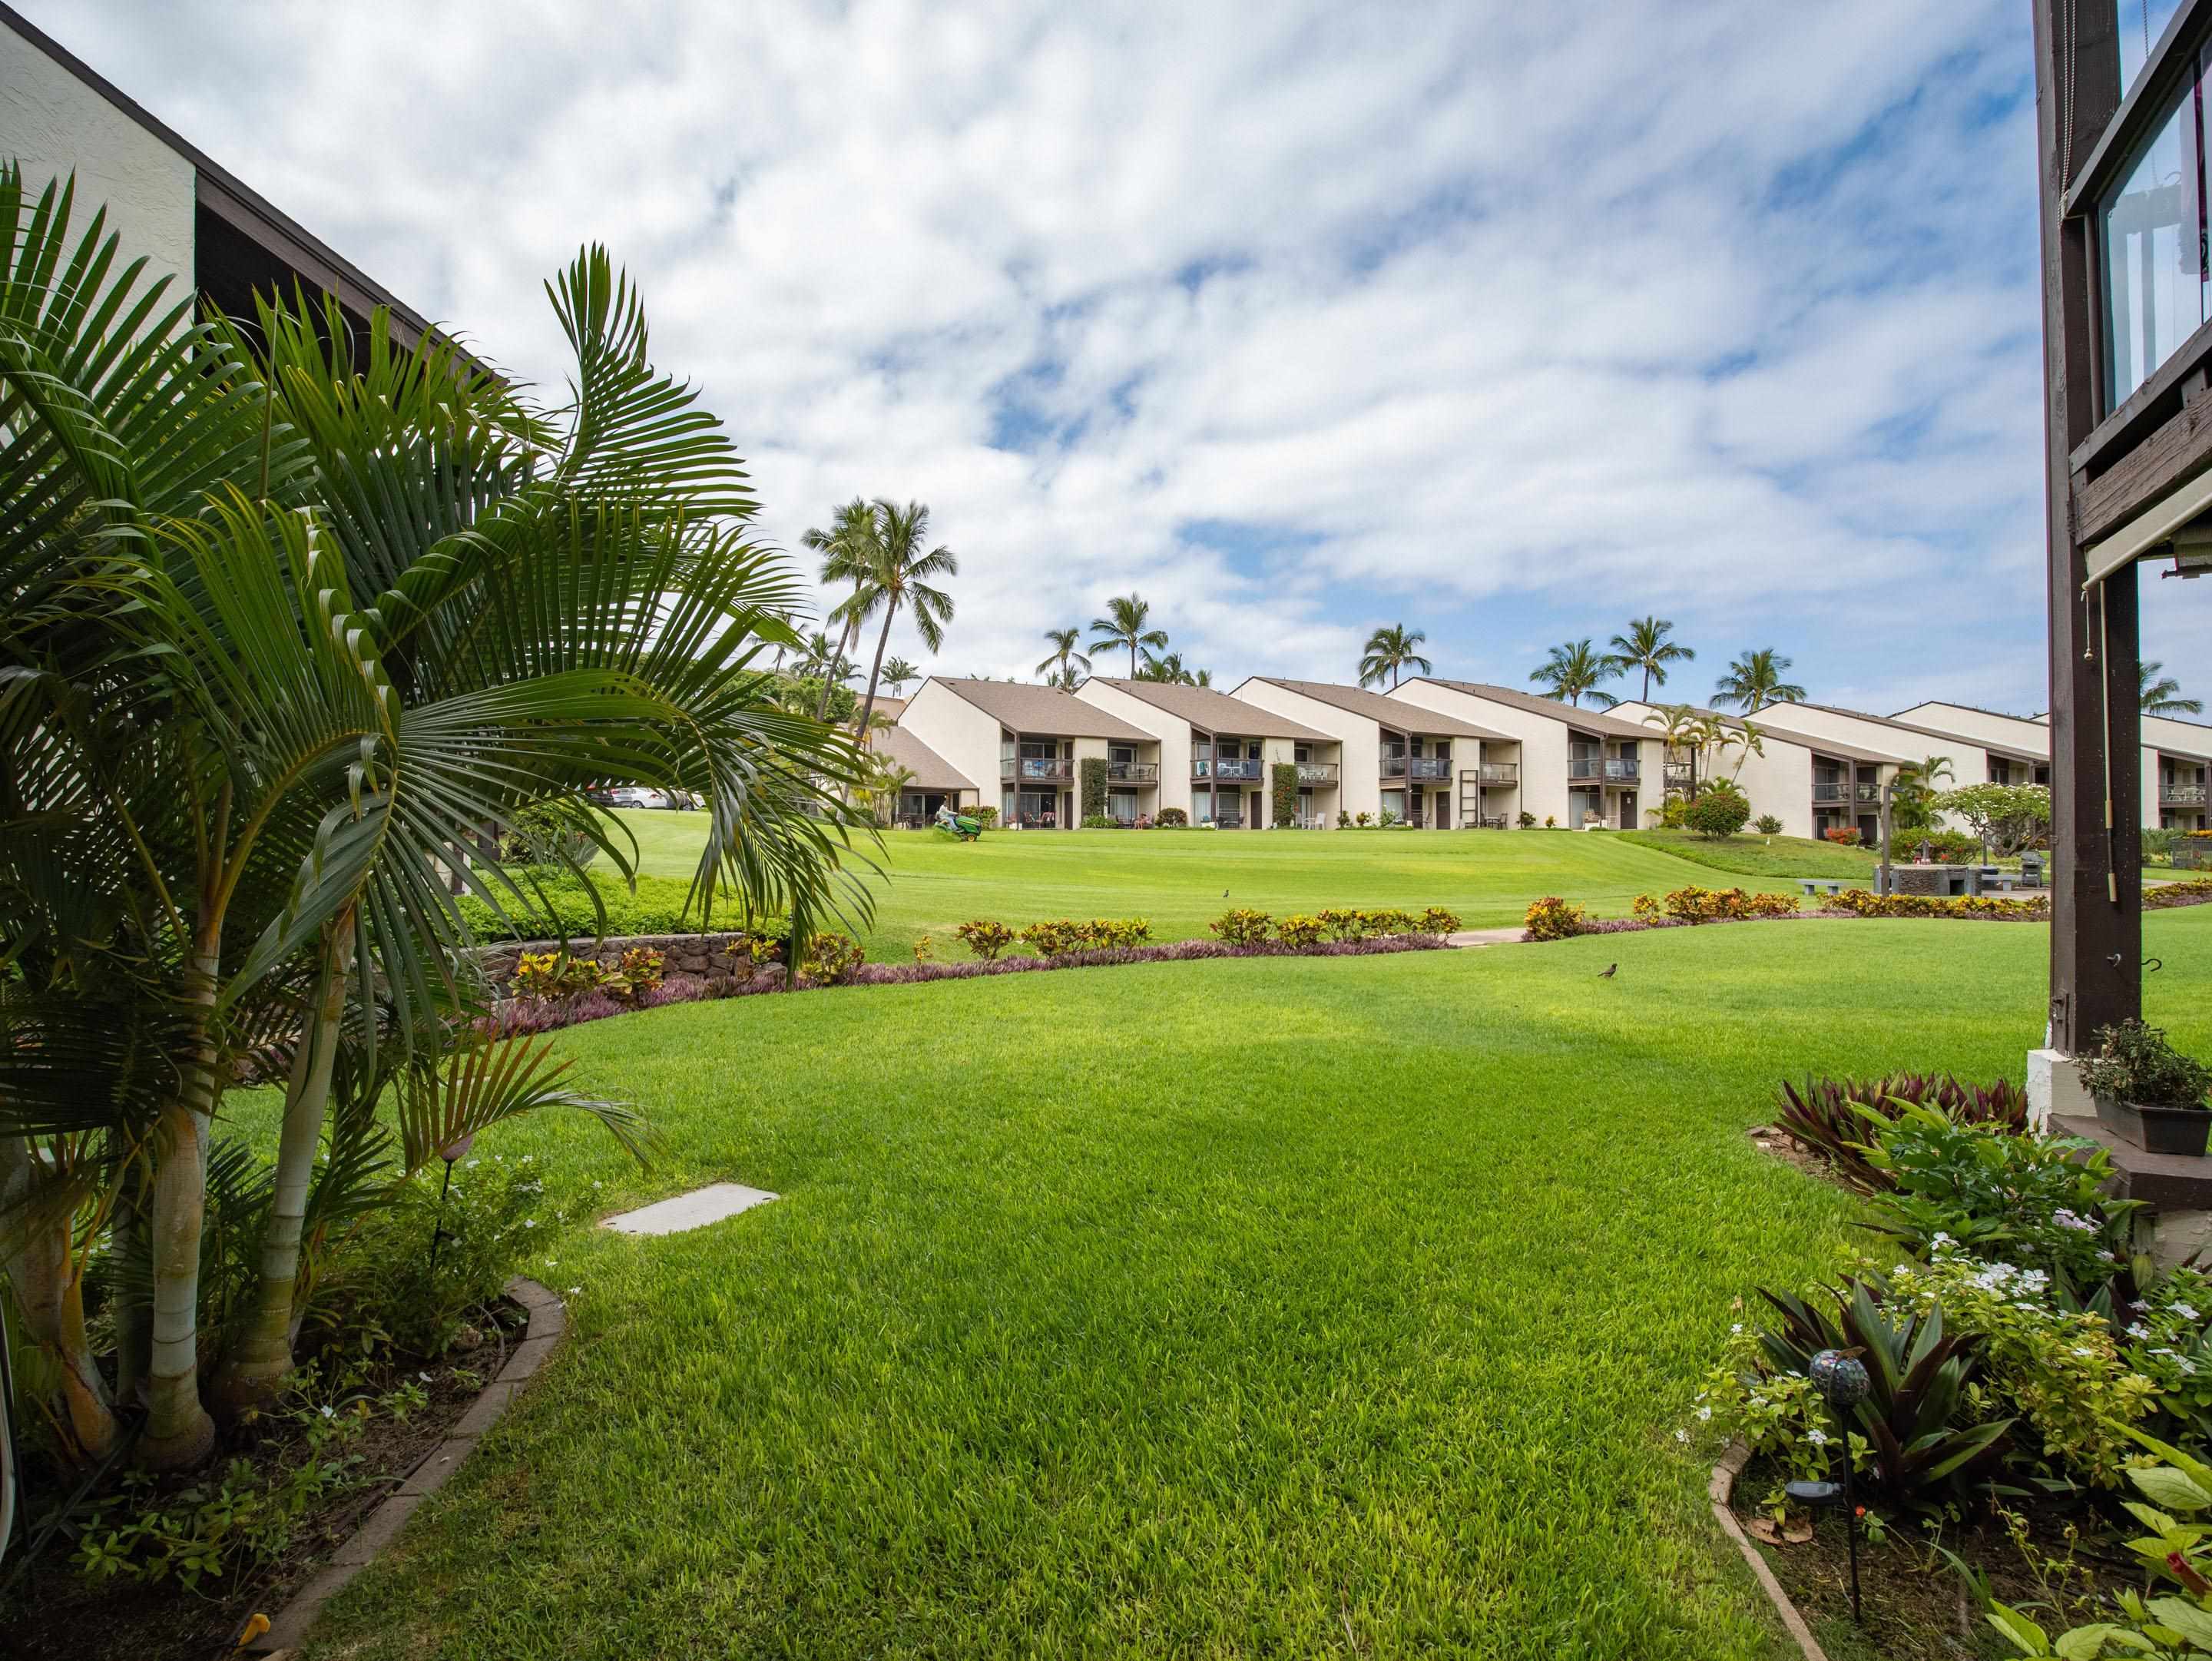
2134 1062
1101 822
986 816
1767 825
557 904
1343 820
1091 771
1717 814
1242 927
1528 821
1438 921
1172 819
1283 782
831 959
1555 919
986 939
1300 930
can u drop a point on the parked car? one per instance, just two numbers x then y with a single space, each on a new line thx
634 795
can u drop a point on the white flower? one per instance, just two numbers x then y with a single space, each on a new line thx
424 1377
1819 1438
1703 1413
1681 1435
2185 1312
1940 1238
472 1164
530 1222
2188 1366
551 1262
2083 1349
1736 1329
575 1291
597 1184
329 1412
525 1158
2137 1329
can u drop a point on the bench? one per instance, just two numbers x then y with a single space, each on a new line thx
1817 885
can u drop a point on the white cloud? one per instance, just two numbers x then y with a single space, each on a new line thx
1540 314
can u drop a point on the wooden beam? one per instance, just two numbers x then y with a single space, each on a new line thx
2117 133
2096 925
2173 455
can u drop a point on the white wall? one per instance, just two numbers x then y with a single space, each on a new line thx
1171 730
1360 761
1543 744
54 125
1778 782
959 732
2014 730
2189 739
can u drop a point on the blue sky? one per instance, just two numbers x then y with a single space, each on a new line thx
1508 323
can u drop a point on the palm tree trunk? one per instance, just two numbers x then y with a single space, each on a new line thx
875 669
264 1354
1646 698
50 1293
134 1319
178 1432
830 669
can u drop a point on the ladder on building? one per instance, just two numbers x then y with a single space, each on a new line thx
1470 798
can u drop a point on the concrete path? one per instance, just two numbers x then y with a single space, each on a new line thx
685 1211
1484 936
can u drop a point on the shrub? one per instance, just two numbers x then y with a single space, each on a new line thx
1824 1117
2062 1370
1438 921
986 816
1842 834
1362 819
1283 786
1555 919
2035 1200
1343 820
1115 934
1528 821
1940 847
1388 919
1051 939
1767 825
1717 814
831 959
1387 820
545 836
1242 927
1696 904
1101 822
1299 931
1090 773
2196 890
1339 923
986 939
1550 822
555 975
640 970
2134 1062
922 949
560 906
1172 819
1860 903
1645 908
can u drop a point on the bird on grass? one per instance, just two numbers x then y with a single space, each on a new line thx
1606 973
1225 893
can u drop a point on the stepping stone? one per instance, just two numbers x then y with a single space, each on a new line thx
684 1211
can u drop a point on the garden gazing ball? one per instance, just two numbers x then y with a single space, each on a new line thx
1840 1378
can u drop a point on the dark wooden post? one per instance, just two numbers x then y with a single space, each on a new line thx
2096 923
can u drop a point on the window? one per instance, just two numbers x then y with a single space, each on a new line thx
2152 234
2142 23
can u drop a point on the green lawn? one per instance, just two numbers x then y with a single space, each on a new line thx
1281 1307
1761 856
1178 879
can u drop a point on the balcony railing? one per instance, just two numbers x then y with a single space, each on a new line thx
1613 769
1316 772
1417 767
1831 793
1055 767
1204 767
2182 795
1132 772
1494 772
1681 775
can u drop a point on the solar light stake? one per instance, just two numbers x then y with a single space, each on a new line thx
1841 1378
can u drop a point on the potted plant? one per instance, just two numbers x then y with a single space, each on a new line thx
2147 1092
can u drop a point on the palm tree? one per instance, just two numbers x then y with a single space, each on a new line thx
1574 671
895 579
1391 652
1170 668
1124 625
1066 666
1915 794
847 549
1646 646
1754 680
308 706
2160 694
896 673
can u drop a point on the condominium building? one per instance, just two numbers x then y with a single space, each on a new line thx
1423 767
2177 772
1813 785
1576 768
1217 754
1033 740
929 782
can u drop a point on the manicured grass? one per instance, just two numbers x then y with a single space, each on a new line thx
1273 1308
1178 877
1754 855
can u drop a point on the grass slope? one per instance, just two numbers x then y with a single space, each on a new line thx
1177 878
1282 1307
1781 857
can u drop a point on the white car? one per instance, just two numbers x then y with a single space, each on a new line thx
634 795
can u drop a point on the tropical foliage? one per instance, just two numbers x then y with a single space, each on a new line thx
1126 625
1065 666
1389 652
1576 670
2160 693
1755 681
1647 647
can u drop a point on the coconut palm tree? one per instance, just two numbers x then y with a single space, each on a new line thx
1390 652
1645 646
1170 668
847 549
1575 672
1065 666
896 673
1123 625
895 578
2160 693
1754 680
306 705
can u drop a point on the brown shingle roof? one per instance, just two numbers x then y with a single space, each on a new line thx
1216 712
1826 746
931 770
1045 710
1391 712
1590 721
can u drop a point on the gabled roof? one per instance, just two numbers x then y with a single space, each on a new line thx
1804 740
889 708
931 770
1590 721
1041 709
1995 746
1391 712
1215 712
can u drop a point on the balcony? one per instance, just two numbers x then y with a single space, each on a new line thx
1417 767
1681 775
1506 773
1054 770
1242 772
1132 772
1316 772
2182 795
1613 770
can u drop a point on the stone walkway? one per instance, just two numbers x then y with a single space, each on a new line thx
1484 936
